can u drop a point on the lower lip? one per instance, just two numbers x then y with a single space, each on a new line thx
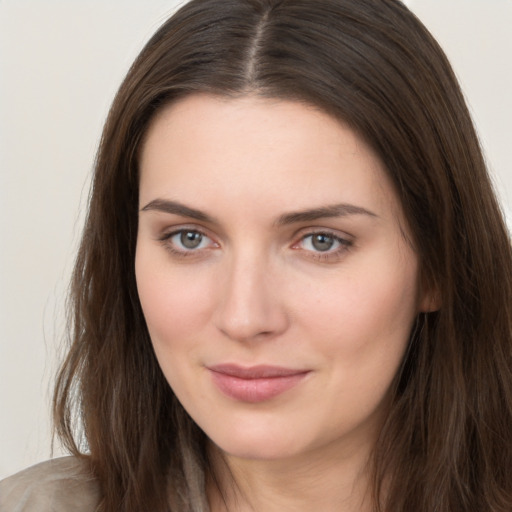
255 390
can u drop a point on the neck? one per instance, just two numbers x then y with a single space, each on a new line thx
329 481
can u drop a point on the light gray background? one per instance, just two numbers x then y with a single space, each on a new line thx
60 64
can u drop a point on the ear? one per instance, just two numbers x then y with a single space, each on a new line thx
429 297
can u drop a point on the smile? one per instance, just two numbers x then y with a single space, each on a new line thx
255 384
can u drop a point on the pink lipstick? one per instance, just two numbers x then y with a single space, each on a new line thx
256 383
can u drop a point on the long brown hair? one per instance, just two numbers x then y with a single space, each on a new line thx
447 442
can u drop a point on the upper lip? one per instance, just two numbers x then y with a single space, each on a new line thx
255 372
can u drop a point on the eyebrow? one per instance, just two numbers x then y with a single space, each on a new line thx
176 208
331 211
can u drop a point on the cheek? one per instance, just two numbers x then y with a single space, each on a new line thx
175 304
362 330
176 308
363 320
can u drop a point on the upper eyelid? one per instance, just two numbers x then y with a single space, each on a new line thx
165 239
336 233
296 237
344 242
171 231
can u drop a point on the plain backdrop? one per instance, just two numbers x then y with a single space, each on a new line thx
60 65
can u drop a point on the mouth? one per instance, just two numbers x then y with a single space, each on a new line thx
255 384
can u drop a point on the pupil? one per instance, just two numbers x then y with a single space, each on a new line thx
322 242
191 239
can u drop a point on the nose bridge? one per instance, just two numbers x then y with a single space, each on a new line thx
250 305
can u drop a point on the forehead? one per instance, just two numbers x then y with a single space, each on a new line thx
271 152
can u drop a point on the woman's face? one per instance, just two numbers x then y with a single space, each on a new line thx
274 274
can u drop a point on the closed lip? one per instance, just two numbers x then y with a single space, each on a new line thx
255 384
255 372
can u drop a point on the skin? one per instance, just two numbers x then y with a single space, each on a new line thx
258 289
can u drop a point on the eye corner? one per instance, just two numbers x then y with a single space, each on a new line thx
174 240
336 245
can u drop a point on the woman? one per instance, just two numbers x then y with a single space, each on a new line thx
293 285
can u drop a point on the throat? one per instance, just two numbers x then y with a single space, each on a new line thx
241 485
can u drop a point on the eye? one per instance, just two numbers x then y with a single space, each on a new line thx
188 239
184 242
323 245
322 242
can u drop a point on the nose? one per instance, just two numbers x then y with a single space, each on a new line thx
252 303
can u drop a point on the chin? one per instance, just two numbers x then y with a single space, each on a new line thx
258 443
258 450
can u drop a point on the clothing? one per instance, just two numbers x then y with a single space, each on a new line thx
58 485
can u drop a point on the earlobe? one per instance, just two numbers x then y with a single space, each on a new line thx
430 299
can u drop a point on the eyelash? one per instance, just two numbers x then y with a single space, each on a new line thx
166 238
328 256
344 245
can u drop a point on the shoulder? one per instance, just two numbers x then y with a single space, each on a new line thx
58 485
